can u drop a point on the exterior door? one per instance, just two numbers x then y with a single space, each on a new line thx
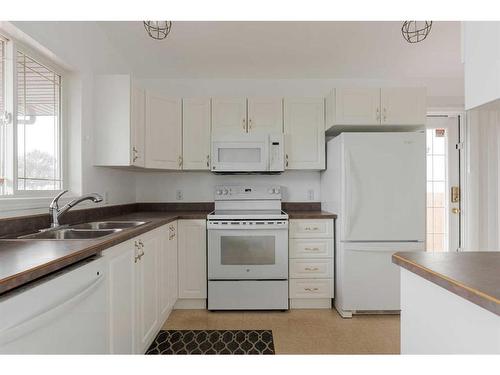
443 183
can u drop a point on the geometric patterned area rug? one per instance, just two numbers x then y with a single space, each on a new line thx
213 342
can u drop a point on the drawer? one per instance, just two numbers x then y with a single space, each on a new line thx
308 269
311 288
311 228
311 248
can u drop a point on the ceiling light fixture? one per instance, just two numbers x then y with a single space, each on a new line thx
416 31
158 29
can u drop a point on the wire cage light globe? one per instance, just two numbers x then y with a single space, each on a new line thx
158 29
416 31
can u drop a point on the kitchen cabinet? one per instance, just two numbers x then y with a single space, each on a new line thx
354 106
119 122
192 253
196 134
147 289
367 109
121 297
242 115
168 270
229 115
163 132
265 115
311 263
402 106
304 125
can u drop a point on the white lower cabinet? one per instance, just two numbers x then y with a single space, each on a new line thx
192 247
311 263
142 288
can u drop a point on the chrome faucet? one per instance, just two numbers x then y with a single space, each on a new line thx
56 212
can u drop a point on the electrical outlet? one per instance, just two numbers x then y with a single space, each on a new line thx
179 195
310 194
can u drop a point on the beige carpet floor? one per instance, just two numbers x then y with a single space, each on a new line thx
303 331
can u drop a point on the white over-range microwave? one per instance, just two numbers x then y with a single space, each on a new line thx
248 153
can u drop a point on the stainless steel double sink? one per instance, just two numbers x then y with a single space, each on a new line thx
85 231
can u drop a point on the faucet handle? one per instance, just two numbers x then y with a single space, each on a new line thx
55 201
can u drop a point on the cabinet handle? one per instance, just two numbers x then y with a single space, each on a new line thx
141 244
311 269
311 289
244 125
135 157
208 161
378 114
180 161
250 123
385 114
309 228
311 248
286 160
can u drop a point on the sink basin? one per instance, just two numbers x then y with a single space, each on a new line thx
70 234
97 225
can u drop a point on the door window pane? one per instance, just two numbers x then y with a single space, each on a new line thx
247 250
38 130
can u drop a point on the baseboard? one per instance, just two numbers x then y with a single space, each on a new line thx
191 304
310 303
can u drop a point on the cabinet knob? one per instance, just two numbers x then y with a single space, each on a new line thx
208 161
286 160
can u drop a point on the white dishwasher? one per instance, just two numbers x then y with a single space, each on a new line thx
64 313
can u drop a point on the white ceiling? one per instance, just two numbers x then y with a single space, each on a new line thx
342 50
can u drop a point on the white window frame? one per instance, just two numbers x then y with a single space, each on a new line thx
25 199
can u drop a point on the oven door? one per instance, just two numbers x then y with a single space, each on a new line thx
245 153
249 250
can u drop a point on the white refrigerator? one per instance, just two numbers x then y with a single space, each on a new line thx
376 184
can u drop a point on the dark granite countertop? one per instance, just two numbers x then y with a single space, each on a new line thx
24 260
474 276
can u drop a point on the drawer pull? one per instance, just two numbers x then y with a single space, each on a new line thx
311 289
311 269
311 249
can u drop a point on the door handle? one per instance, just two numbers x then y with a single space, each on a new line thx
455 210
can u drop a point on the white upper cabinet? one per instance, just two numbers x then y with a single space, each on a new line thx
118 135
265 115
402 106
138 128
304 124
366 109
163 132
355 106
196 134
229 115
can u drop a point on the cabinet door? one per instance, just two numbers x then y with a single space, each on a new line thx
357 106
173 284
304 133
121 298
229 115
163 132
137 129
192 259
265 115
196 134
147 292
403 106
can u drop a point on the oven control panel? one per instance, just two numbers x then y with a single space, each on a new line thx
247 192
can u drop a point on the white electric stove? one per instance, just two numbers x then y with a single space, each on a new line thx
247 249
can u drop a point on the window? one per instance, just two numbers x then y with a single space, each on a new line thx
30 124
38 115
